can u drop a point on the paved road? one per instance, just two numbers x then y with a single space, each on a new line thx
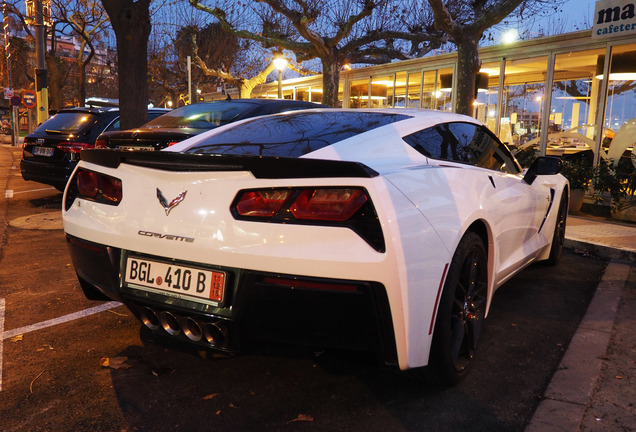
54 347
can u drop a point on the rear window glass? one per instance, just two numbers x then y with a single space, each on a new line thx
293 134
66 123
201 115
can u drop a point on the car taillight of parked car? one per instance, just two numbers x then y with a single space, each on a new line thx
98 187
74 147
100 143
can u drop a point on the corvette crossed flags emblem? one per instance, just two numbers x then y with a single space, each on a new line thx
164 202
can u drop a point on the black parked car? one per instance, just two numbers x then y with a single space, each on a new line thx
190 120
50 153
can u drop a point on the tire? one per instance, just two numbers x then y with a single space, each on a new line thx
558 238
461 313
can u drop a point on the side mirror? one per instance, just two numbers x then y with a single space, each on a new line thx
543 165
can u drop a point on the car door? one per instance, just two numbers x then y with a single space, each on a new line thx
516 210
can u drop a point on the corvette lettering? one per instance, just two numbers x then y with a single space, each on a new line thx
165 236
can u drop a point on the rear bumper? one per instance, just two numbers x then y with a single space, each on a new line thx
46 173
261 307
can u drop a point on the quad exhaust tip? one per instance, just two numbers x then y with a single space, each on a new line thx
213 333
149 318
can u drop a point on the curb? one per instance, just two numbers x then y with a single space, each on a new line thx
571 387
599 250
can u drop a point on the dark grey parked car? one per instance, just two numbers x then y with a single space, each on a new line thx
190 120
50 153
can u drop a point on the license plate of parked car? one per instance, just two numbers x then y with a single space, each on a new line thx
137 148
176 279
43 151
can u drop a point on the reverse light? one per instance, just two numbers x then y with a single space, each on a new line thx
311 284
98 187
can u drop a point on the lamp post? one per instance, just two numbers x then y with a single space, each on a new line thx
280 63
15 123
39 10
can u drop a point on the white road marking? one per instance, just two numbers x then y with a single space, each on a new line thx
8 193
32 190
45 324
1 332
60 320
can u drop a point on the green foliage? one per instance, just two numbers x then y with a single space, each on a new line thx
579 173
526 156
607 182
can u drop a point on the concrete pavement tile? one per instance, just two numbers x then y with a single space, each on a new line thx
579 369
602 309
556 416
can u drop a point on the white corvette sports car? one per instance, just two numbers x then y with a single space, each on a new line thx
387 230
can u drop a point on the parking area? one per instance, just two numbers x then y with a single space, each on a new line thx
67 363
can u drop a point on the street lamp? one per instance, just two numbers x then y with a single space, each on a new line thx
510 36
280 63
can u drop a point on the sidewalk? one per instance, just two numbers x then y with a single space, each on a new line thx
593 388
598 237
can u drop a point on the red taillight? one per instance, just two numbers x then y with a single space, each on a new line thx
73 147
347 207
328 204
319 204
171 143
100 143
262 203
99 187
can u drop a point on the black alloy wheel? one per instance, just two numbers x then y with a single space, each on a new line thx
461 312
559 231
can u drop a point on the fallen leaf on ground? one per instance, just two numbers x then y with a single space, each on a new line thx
211 396
619 377
34 379
117 313
303 417
115 363
17 338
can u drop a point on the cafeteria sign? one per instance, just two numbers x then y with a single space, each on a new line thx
614 18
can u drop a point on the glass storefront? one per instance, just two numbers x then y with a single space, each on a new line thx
543 96
486 102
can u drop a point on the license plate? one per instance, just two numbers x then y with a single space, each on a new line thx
178 280
43 151
136 148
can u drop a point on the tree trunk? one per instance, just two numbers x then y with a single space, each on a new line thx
468 65
330 81
131 23
56 99
245 89
82 84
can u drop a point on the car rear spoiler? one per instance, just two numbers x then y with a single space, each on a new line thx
260 166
